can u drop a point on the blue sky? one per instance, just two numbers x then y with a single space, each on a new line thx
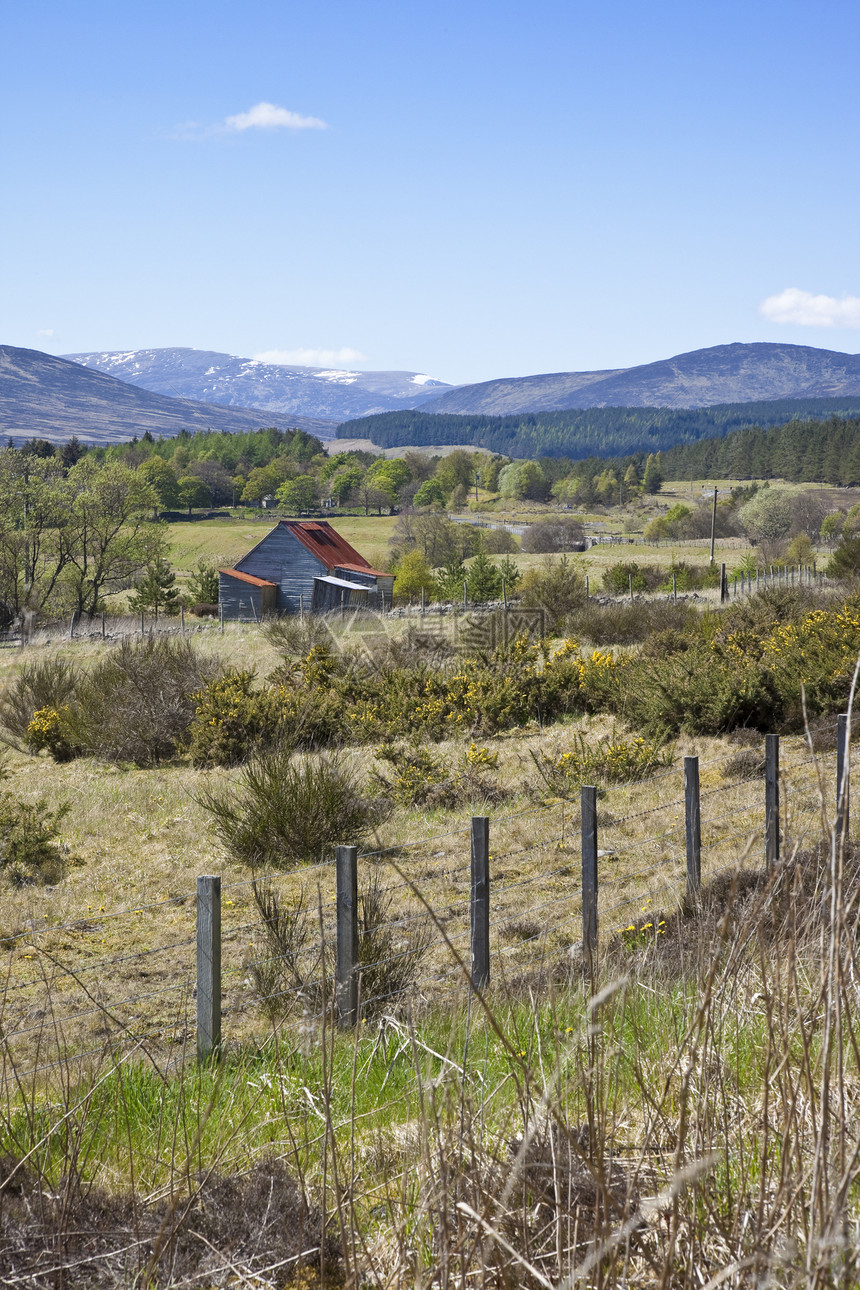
482 189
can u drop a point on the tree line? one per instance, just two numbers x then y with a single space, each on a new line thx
579 433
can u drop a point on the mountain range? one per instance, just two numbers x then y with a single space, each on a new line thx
52 398
110 396
734 373
332 393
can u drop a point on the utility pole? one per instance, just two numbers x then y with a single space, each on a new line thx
713 524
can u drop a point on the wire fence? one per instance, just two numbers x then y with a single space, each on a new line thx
128 978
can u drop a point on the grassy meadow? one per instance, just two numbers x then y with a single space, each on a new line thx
678 1116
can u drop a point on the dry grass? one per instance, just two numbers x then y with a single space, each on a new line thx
684 1120
139 838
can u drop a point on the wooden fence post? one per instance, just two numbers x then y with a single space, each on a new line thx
724 585
480 901
674 588
208 966
587 592
182 619
693 821
630 578
142 627
347 936
843 776
771 800
588 802
221 616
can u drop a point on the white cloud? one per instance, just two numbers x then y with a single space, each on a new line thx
304 357
267 116
45 331
803 309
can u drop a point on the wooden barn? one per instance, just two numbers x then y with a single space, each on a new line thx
301 564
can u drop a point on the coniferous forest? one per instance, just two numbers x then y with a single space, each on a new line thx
579 433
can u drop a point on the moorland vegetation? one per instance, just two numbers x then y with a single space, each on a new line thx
678 1116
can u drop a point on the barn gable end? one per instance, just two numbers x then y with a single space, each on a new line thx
309 564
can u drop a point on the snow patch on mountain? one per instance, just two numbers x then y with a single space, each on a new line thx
337 394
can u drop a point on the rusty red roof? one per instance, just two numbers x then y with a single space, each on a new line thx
364 568
248 577
328 545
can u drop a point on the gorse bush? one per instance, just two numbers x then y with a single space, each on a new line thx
50 730
623 623
419 778
233 718
137 704
287 811
608 760
47 683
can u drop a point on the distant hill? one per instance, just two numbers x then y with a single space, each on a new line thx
52 398
722 374
203 374
590 432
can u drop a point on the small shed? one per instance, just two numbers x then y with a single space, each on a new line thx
241 595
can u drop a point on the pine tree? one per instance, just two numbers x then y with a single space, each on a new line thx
450 579
653 476
157 590
483 581
509 571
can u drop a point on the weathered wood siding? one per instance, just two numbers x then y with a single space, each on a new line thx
328 599
282 558
240 599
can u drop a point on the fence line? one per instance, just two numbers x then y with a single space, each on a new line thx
490 915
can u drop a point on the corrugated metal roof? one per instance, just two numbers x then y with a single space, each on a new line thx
341 582
327 544
363 568
247 577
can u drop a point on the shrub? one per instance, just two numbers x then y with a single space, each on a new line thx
554 536
845 561
691 577
288 811
558 589
137 705
390 952
29 850
204 609
623 623
232 719
421 779
749 763
296 635
46 683
292 964
646 577
50 730
288 963
609 760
